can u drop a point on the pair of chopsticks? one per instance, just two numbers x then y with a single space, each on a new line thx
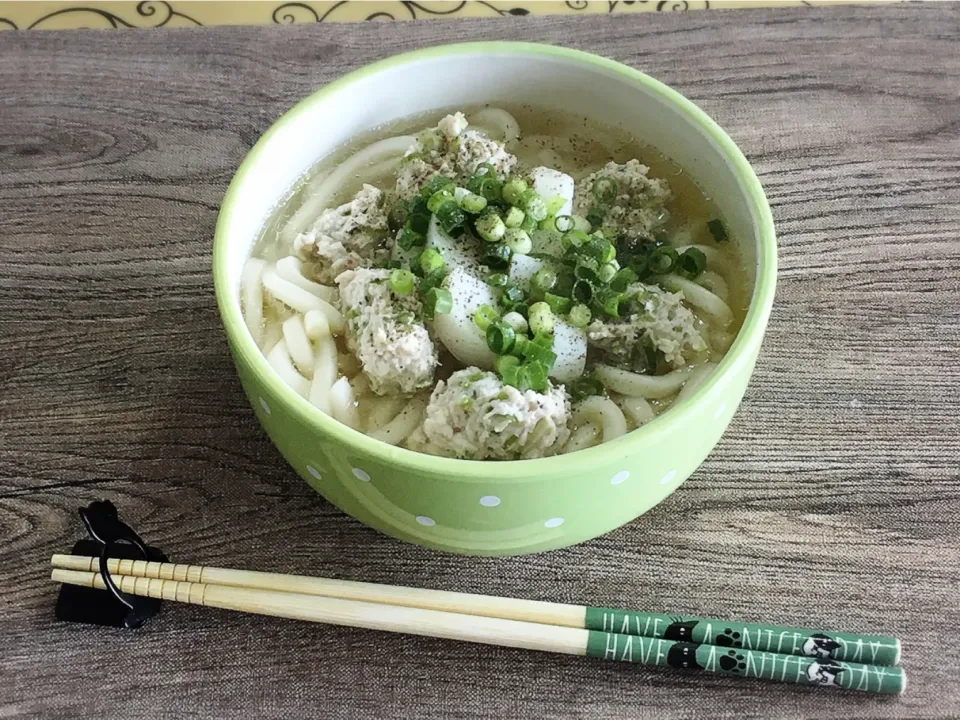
795 655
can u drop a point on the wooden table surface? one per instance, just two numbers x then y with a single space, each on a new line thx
832 501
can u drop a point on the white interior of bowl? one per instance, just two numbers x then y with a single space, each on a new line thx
426 83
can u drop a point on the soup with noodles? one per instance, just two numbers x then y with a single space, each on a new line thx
495 284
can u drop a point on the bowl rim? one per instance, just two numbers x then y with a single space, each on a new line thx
361 445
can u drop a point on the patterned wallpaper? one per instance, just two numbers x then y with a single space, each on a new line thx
65 15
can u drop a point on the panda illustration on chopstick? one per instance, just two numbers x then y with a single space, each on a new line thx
824 673
819 645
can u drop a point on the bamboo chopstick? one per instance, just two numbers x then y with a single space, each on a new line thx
508 633
807 643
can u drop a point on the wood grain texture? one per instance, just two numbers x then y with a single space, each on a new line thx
833 499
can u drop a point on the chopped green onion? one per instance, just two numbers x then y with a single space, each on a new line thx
474 182
545 341
415 265
473 203
485 316
630 307
497 256
523 378
408 238
595 217
511 375
529 224
430 260
607 272
559 305
565 280
564 223
536 352
488 187
418 206
608 253
662 260
534 376
518 241
432 279
718 231
574 238
438 199
500 338
498 280
605 190
582 291
485 169
490 227
437 184
587 271
517 321
419 223
541 318
600 248
584 387
513 189
402 282
591 248
579 316
623 279
533 205
691 263
554 204
504 362
513 218
438 301
512 297
451 217
520 345
610 301
543 280
640 265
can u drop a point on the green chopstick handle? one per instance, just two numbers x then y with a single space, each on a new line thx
747 663
866 649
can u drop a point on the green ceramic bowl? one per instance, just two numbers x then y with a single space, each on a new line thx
494 508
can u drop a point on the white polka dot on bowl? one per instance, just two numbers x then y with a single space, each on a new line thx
668 477
619 477
489 501
424 520
361 475
719 411
266 408
553 522
313 471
